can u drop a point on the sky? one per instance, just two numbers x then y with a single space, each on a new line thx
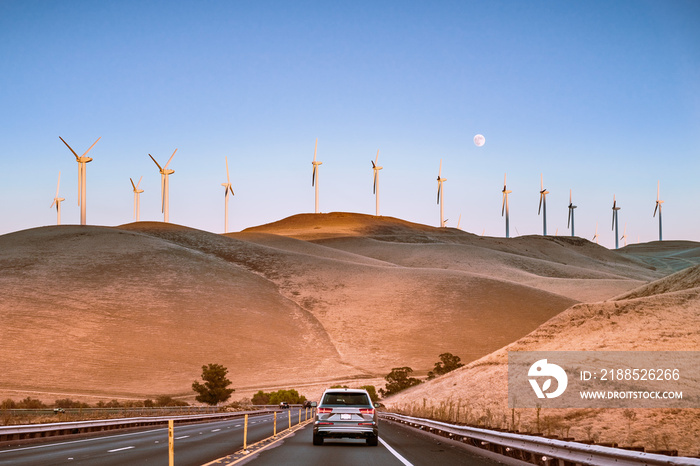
601 98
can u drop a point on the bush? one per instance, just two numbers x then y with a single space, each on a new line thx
214 389
273 398
448 362
398 379
372 392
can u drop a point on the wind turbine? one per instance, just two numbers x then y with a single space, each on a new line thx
614 222
375 189
571 215
459 220
504 208
543 203
658 206
441 196
165 172
314 175
595 237
227 189
137 198
57 200
624 234
82 175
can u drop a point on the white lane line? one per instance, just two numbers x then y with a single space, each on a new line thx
395 453
180 438
216 430
120 449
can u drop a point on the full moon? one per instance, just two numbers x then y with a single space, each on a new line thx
479 140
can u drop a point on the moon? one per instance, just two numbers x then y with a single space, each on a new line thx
479 140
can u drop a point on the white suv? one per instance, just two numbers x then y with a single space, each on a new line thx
346 413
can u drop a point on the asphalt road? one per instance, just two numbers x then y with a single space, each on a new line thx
195 444
398 445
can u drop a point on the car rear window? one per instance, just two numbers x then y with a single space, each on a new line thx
346 399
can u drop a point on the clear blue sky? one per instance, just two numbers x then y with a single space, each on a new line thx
601 97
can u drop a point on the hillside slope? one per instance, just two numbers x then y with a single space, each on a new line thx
660 321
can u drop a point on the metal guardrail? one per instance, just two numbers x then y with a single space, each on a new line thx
539 450
23 432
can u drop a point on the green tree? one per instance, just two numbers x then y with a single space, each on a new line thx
448 362
372 392
214 389
398 379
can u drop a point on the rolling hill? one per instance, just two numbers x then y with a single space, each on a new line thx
136 310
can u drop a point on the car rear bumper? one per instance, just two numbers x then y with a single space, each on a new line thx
346 431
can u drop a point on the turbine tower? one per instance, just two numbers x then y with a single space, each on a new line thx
165 172
57 200
227 189
441 196
615 223
658 206
624 234
137 198
82 175
595 237
543 203
504 208
571 215
314 175
375 189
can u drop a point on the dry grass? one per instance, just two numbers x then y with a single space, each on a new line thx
134 311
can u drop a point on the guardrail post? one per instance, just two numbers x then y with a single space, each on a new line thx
274 425
245 435
299 416
289 417
171 443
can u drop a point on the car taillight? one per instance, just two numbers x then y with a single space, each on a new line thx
367 411
325 410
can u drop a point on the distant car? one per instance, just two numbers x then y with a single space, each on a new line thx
309 404
346 413
59 410
284 405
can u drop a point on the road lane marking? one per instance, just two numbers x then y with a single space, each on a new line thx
119 449
216 430
180 438
395 453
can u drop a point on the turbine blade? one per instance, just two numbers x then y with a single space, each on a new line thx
657 206
503 208
93 145
569 219
228 178
440 172
137 184
132 184
374 187
69 147
154 161
59 183
315 147
313 176
540 207
169 160
438 192
376 160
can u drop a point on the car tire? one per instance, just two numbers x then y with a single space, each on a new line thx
373 441
318 440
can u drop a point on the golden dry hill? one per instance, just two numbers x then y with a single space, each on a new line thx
136 310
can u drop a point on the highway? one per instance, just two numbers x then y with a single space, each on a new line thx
198 444
195 444
398 445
